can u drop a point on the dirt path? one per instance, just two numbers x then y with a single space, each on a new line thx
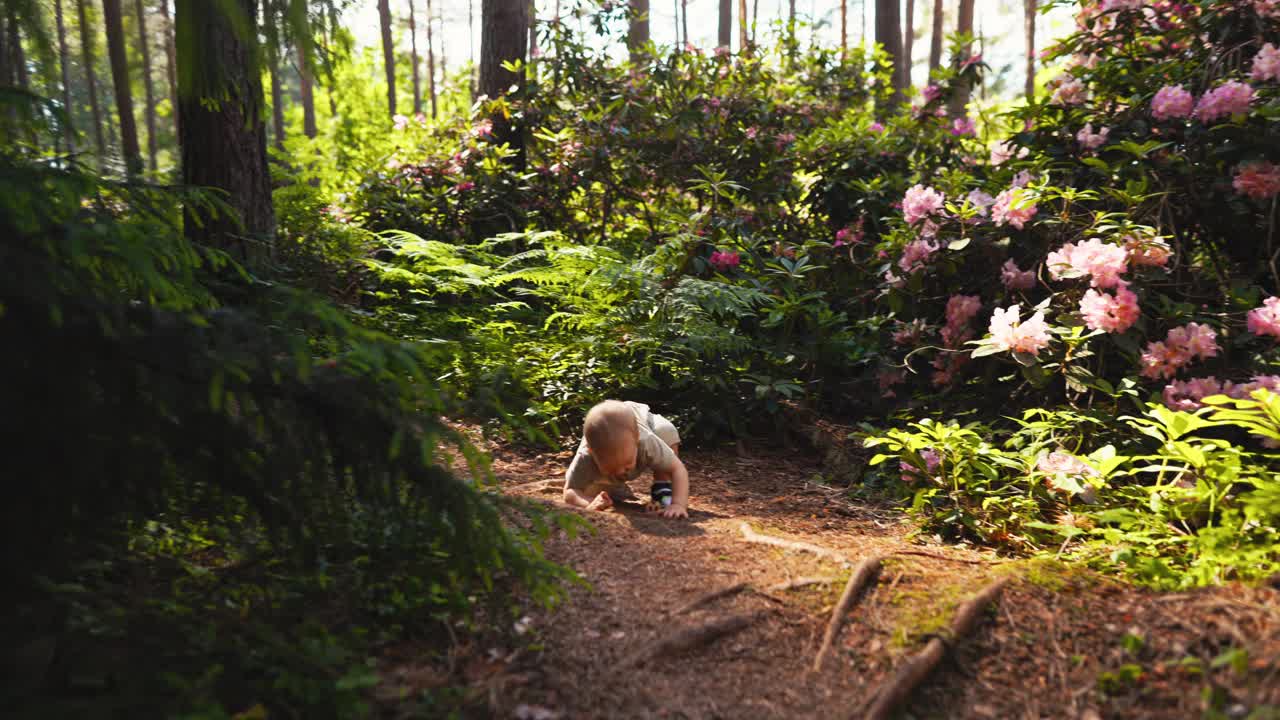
1059 643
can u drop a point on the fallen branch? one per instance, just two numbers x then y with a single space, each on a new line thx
541 486
689 638
861 576
752 536
799 583
712 597
918 667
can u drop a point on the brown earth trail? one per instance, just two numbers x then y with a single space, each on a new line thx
1058 642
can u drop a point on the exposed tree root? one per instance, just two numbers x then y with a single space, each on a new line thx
689 638
910 675
712 597
752 536
539 486
799 583
861 576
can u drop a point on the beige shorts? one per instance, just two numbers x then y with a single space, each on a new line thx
665 431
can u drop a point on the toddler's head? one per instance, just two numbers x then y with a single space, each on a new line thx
611 433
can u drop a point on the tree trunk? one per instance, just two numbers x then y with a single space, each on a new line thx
889 35
791 23
744 39
908 43
533 29
171 64
68 130
504 28
306 89
388 53
277 99
638 32
18 57
443 61
431 62
413 53
844 28
964 26
684 20
725 36
936 38
1029 26
755 18
114 20
148 92
224 144
471 38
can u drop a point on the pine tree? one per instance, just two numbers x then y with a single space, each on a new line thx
724 37
937 38
638 31
1029 26
171 63
964 26
113 18
68 127
144 45
413 53
388 53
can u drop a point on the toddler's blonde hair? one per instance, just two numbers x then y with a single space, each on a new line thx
607 425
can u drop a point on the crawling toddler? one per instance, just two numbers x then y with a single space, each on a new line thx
621 440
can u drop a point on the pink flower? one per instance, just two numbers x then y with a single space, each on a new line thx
1259 180
1229 98
920 202
1181 346
911 473
482 129
1260 382
1090 140
1103 262
400 121
1013 208
1007 333
1266 64
420 118
1002 152
1186 396
725 260
465 186
1062 467
962 308
1197 339
980 201
1110 313
1172 101
751 132
929 93
1265 320
961 127
1069 92
1016 279
1022 179
1151 252
1159 360
1267 8
909 334
916 255
875 127
850 235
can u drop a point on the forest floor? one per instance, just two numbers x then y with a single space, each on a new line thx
1057 643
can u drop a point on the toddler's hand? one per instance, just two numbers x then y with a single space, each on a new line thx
602 501
675 511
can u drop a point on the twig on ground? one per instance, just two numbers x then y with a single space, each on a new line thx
752 536
711 597
910 675
542 486
799 583
861 576
689 638
921 553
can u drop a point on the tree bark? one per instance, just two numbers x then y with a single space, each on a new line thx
936 38
908 43
148 91
533 29
844 28
1029 27
725 37
171 64
224 143
388 53
68 128
744 39
889 36
755 18
638 31
964 26
471 39
431 62
684 19
504 34
306 89
114 20
18 57
277 99
413 53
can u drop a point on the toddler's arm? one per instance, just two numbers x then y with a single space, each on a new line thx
573 498
678 476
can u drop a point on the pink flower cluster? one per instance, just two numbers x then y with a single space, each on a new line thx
916 254
1015 278
1090 140
1265 320
1068 92
1259 180
1267 8
930 93
961 127
1008 333
1149 252
1266 64
851 235
960 310
1180 347
980 201
1003 152
911 473
875 127
1059 466
482 129
1110 313
910 333
920 202
1229 98
1012 209
1172 101
1102 262
722 261
1187 396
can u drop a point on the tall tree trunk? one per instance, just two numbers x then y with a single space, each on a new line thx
224 144
724 38
144 45
114 20
638 32
443 60
471 38
388 53
908 43
6 72
684 20
744 38
755 18
18 57
889 35
306 89
936 38
791 25
504 34
964 25
844 28
431 62
86 51
413 52
533 29
277 98
171 63
64 57
1029 27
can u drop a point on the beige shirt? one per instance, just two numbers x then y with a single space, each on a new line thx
653 453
